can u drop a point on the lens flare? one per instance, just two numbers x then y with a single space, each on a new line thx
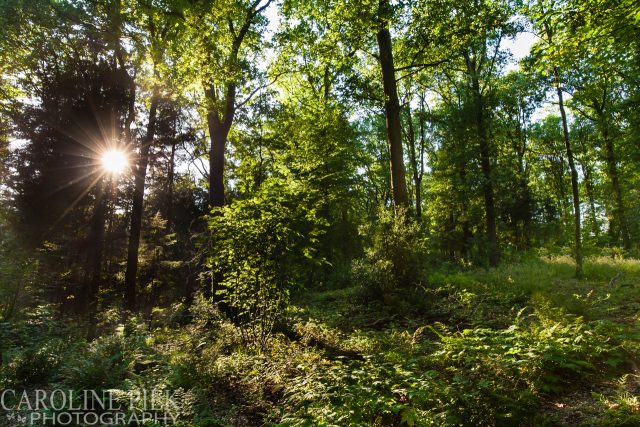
114 161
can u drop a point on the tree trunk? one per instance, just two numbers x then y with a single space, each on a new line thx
612 171
485 162
137 208
391 108
526 215
415 170
170 186
588 180
418 183
467 234
92 279
574 175
572 167
587 174
557 168
219 132
222 109
449 230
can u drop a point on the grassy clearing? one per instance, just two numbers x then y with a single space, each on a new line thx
504 346
523 344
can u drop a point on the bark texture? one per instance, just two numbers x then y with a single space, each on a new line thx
391 108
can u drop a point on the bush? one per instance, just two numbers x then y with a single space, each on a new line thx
35 364
260 248
18 271
33 348
100 367
394 258
474 377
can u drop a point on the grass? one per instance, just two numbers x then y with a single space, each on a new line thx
522 344
501 347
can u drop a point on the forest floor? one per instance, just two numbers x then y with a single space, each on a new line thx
522 344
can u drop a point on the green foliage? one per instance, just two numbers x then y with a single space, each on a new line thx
395 325
18 270
33 365
100 367
33 348
261 248
479 376
475 377
395 256
509 343
621 408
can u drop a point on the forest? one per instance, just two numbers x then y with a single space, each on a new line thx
320 212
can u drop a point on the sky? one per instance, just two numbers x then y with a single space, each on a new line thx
519 46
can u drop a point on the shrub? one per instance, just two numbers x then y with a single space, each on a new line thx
33 348
101 366
374 278
35 364
260 248
475 377
394 257
18 270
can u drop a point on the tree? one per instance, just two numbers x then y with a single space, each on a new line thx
517 95
597 97
156 25
546 28
417 147
391 106
225 34
362 21
84 102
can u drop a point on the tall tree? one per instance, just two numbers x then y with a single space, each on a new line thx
475 61
226 35
597 98
481 57
80 100
547 30
391 106
517 96
156 25
417 147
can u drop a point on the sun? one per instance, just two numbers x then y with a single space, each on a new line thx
114 161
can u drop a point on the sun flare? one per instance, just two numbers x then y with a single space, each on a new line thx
114 161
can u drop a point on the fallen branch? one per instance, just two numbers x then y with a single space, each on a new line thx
613 281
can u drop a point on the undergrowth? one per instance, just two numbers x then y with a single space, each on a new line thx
523 344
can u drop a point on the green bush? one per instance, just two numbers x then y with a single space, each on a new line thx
36 364
18 271
33 348
394 258
474 377
261 247
620 409
374 278
101 366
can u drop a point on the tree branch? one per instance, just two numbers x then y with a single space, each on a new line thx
256 90
422 65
